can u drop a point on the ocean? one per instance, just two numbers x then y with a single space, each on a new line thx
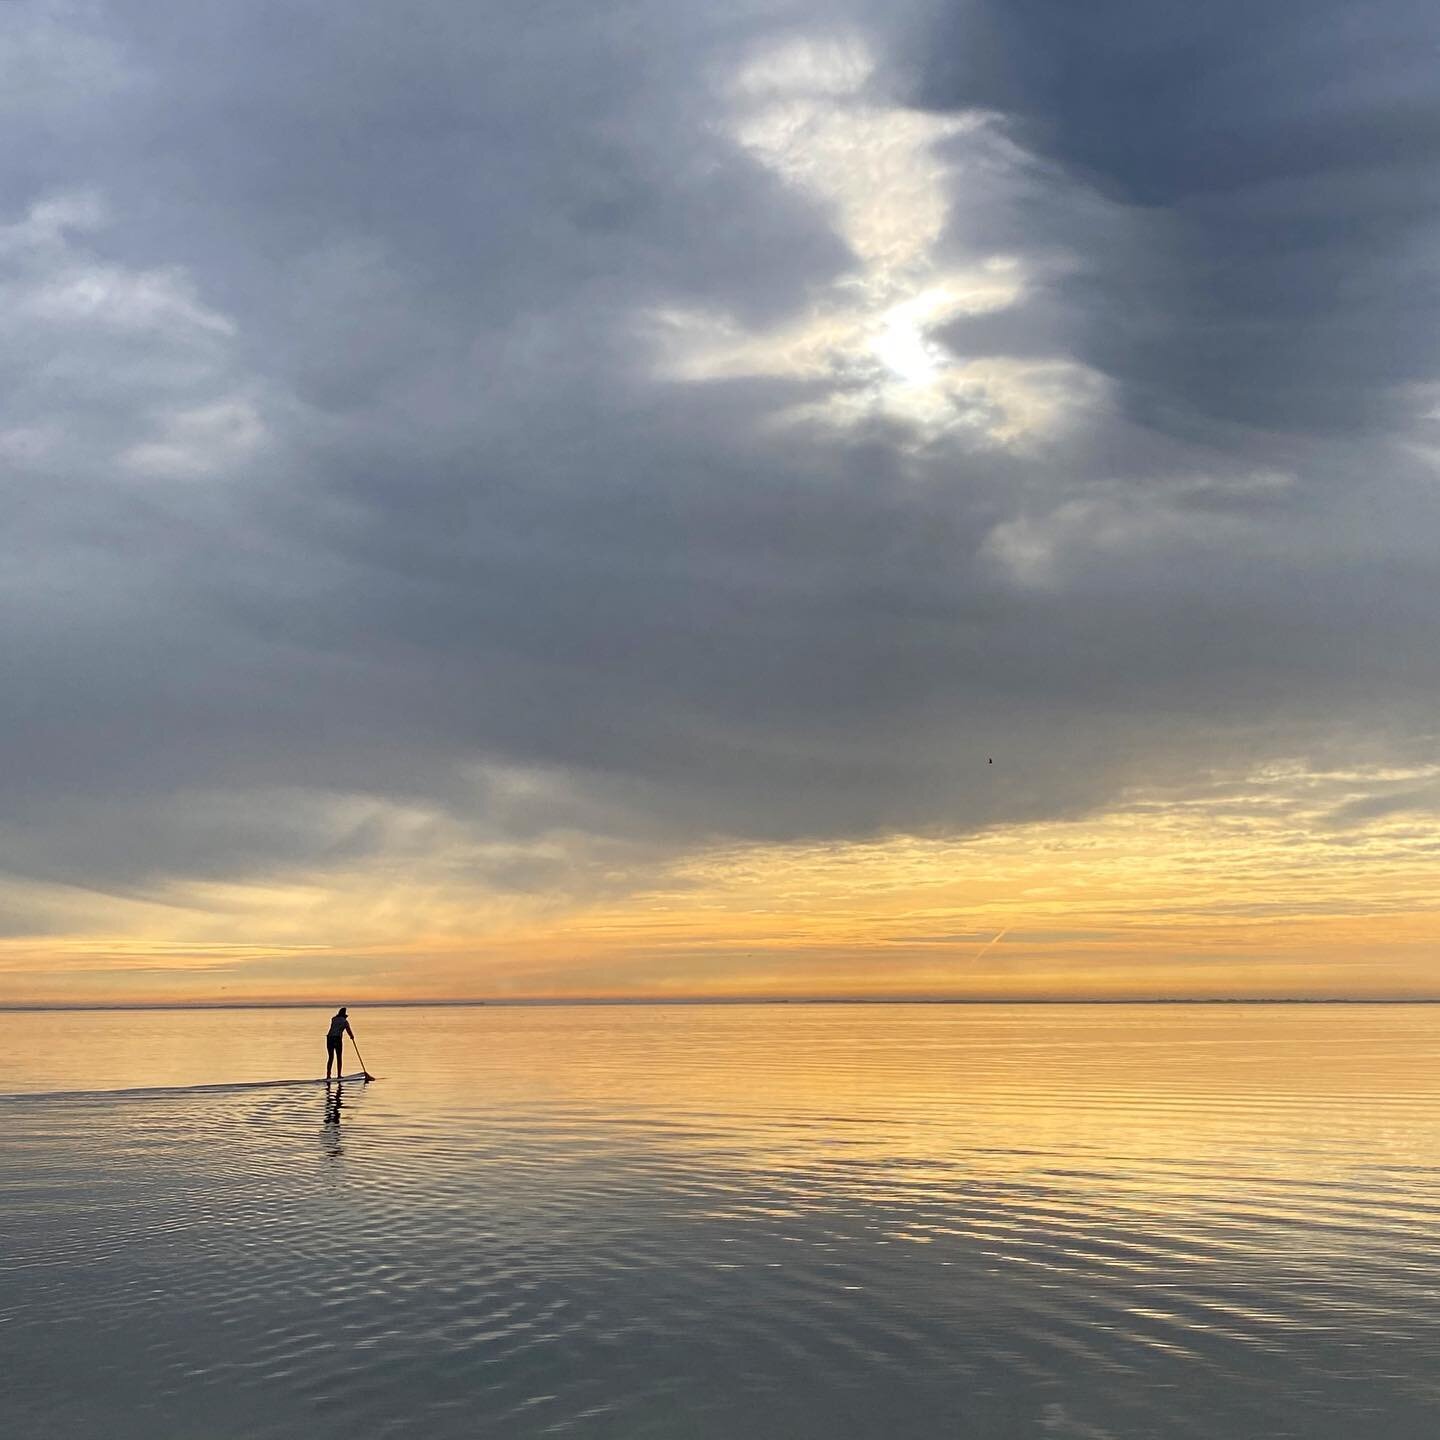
765 1222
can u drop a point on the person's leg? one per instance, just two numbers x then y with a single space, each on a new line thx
330 1055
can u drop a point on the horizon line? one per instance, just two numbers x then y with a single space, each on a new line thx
538 1002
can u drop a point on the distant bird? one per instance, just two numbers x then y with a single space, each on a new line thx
989 762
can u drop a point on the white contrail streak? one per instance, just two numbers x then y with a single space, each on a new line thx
995 939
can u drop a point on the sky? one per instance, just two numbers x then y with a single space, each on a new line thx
674 500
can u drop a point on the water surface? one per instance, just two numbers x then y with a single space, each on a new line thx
769 1221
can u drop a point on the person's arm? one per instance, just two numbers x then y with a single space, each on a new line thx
348 1030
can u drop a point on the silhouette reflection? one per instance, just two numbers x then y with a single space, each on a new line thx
334 1103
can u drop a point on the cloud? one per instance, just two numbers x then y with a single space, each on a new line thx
713 427
1274 171
809 112
1389 802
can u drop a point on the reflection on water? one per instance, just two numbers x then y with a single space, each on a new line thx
334 1104
785 1221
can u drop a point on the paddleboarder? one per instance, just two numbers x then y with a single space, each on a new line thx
335 1042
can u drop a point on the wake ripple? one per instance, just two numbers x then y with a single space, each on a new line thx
157 1092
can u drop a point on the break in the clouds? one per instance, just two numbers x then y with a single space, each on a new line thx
515 447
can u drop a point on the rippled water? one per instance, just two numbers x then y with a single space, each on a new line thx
784 1221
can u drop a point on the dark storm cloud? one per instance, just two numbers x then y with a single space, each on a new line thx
338 462
1280 164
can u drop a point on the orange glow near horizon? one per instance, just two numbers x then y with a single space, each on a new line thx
1232 891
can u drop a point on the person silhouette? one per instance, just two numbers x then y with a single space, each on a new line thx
335 1043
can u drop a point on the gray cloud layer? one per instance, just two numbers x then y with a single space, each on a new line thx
340 457
1282 160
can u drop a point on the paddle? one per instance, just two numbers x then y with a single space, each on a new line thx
361 1059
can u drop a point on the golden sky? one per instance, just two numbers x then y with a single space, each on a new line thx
1288 882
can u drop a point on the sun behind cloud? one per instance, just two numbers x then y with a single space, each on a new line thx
812 112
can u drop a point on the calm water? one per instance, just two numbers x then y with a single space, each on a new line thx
737 1223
